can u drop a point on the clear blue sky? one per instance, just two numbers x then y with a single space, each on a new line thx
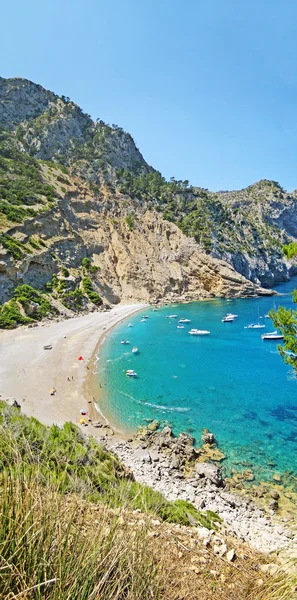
207 88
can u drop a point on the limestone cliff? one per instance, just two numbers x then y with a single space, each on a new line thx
72 188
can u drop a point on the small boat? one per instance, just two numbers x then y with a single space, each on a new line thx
272 336
227 319
231 315
185 321
180 327
257 325
125 342
144 317
130 325
131 373
199 332
266 317
142 320
134 349
172 316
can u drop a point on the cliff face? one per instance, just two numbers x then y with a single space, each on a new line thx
71 188
154 261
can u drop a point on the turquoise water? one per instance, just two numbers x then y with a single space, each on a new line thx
231 382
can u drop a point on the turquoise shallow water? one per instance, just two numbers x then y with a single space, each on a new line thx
231 381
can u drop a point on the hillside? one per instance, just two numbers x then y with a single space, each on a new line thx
85 221
75 524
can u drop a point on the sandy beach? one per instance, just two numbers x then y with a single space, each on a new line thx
28 372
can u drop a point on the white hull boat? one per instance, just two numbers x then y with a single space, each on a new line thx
272 336
185 321
134 349
131 373
199 332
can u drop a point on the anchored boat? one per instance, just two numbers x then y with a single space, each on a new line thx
274 335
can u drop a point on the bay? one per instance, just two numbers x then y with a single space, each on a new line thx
231 382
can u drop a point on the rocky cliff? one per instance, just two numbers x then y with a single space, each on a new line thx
74 189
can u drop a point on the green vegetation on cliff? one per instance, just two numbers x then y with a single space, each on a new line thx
28 305
75 463
22 188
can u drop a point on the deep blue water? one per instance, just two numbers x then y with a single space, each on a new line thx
231 382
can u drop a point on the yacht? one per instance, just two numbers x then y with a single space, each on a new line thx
131 373
228 319
272 336
134 349
199 332
172 316
257 325
185 321
232 316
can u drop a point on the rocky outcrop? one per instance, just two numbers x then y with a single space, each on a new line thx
154 262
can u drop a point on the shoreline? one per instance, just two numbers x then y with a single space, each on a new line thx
27 374
91 387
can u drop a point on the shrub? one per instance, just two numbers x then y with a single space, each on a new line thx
12 245
64 271
25 294
93 296
73 300
10 315
130 222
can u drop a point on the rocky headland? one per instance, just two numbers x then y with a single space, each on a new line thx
179 470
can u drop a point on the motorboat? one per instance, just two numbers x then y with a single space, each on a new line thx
130 325
180 327
144 317
142 320
266 317
131 373
199 332
232 316
125 342
172 316
228 319
134 349
185 321
274 335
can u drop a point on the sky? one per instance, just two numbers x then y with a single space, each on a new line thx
207 88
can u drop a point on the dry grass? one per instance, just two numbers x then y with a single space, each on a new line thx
47 551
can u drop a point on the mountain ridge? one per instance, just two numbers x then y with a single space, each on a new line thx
73 188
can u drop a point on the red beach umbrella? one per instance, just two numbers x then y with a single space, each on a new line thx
80 358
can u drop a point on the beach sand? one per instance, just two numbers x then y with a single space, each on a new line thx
28 372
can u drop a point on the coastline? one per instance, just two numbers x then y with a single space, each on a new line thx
28 372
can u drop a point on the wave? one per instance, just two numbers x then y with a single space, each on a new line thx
157 406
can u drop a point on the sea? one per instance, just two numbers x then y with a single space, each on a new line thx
230 382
